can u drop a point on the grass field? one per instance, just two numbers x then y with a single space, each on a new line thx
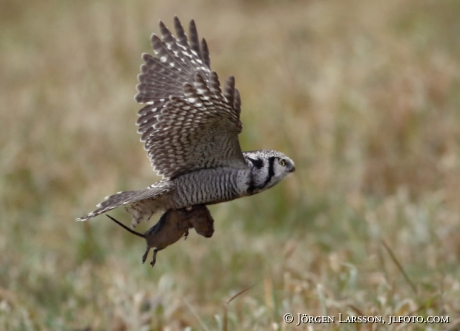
364 95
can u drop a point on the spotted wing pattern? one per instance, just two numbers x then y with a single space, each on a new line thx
132 199
188 123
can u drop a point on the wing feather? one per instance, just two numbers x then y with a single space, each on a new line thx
188 123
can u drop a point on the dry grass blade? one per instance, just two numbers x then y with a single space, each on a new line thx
194 312
357 310
395 260
225 322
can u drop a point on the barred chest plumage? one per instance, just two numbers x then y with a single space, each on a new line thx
210 186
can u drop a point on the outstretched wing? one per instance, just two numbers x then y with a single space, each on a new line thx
138 203
188 123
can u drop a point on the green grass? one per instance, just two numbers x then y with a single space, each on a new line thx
363 95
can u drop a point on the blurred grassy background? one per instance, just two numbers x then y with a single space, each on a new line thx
363 95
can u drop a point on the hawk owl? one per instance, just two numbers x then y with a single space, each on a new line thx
190 130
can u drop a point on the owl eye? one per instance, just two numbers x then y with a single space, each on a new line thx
282 163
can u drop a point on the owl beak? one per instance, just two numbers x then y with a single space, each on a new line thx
292 168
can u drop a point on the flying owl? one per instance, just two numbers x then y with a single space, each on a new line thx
190 127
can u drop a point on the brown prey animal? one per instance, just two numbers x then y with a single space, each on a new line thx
172 225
